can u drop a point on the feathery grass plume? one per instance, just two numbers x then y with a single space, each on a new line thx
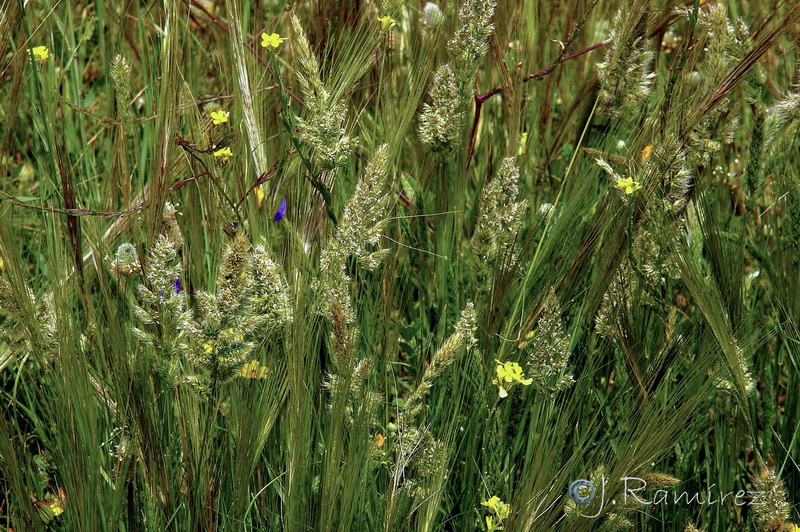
220 343
780 117
343 340
668 160
548 349
432 16
470 43
655 259
657 480
348 374
268 302
126 260
625 82
232 278
725 385
422 457
463 336
14 331
499 222
440 122
774 511
724 48
613 302
121 76
361 227
162 309
322 130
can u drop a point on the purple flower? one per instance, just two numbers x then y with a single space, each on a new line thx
280 214
177 284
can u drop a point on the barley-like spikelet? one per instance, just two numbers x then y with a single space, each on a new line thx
268 303
724 48
121 76
162 311
625 80
232 276
470 43
463 336
322 130
499 221
548 350
361 227
656 480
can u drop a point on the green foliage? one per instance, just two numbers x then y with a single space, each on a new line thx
424 266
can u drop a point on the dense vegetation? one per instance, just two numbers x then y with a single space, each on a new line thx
384 265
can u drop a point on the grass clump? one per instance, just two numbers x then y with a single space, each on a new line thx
465 265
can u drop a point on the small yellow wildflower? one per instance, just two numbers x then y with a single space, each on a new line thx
647 152
40 53
57 507
509 373
208 348
380 440
260 196
500 511
219 117
273 39
793 527
254 370
628 185
386 22
522 142
2 263
224 154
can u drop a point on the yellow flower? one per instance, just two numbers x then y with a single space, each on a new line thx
254 370
57 507
647 152
224 154
219 117
386 22
272 39
522 142
628 185
40 53
2 263
208 348
260 196
380 440
793 527
500 511
509 373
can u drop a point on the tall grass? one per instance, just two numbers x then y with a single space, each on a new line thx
457 257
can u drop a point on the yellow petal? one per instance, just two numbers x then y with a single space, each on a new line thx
260 196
